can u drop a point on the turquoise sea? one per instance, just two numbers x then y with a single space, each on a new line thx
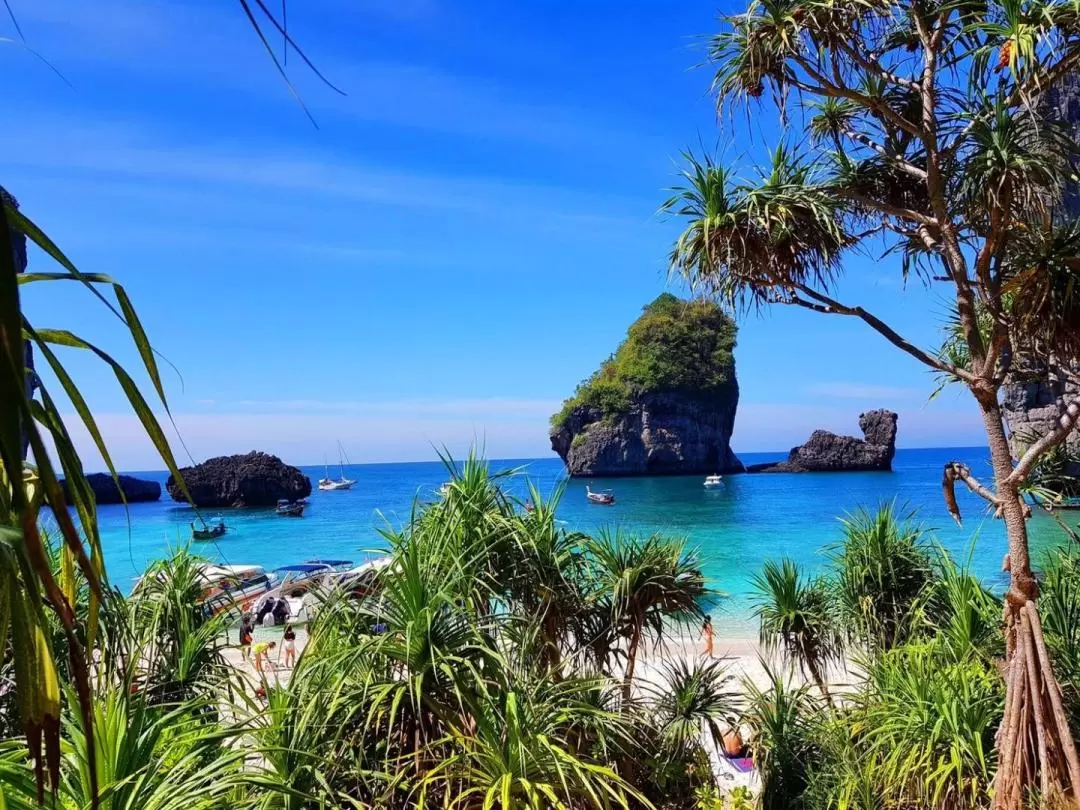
735 528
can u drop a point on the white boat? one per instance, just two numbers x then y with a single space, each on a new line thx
297 582
233 586
712 481
328 484
444 489
605 497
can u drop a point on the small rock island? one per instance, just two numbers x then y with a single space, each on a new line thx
827 452
663 404
254 479
135 490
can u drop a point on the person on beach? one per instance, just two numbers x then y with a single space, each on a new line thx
290 646
707 634
262 654
246 630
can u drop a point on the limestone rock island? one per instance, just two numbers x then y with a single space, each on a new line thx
827 452
254 479
663 404
135 490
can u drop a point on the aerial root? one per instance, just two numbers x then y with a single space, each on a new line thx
1035 745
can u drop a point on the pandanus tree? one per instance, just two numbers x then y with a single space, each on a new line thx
921 124
648 584
796 619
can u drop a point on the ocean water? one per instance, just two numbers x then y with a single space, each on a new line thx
735 528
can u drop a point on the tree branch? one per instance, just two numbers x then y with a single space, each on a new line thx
1066 422
892 210
955 471
896 160
871 65
878 106
831 306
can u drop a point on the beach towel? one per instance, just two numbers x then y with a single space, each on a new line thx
741 764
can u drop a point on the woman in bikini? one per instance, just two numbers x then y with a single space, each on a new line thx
290 646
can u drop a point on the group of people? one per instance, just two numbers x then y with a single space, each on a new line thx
278 608
261 651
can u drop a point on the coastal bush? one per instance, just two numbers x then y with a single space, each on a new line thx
923 694
882 568
797 616
493 665
675 346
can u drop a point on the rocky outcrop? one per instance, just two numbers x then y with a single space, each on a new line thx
135 490
1032 398
1032 401
255 479
827 452
663 403
660 434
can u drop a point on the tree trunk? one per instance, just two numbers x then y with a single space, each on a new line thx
819 678
631 661
1035 746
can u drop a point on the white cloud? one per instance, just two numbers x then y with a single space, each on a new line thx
761 427
854 390
131 152
302 432
472 408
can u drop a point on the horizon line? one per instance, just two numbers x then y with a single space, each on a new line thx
526 458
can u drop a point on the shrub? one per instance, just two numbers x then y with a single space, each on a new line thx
676 345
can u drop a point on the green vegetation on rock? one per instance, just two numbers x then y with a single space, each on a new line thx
675 346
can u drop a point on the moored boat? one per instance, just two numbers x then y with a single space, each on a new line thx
208 532
328 484
605 497
231 586
712 481
287 508
1052 502
297 586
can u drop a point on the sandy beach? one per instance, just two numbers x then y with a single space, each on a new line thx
740 654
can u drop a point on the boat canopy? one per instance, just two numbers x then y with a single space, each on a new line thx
303 567
331 563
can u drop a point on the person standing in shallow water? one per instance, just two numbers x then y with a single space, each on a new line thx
707 635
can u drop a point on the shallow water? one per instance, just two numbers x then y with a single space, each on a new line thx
736 527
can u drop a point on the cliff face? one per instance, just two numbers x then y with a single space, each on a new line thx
827 452
1032 402
663 404
1032 399
662 434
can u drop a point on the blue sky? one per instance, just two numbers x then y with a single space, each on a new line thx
465 236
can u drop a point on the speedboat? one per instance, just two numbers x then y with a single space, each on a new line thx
297 583
208 532
712 481
225 587
605 497
229 586
287 508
